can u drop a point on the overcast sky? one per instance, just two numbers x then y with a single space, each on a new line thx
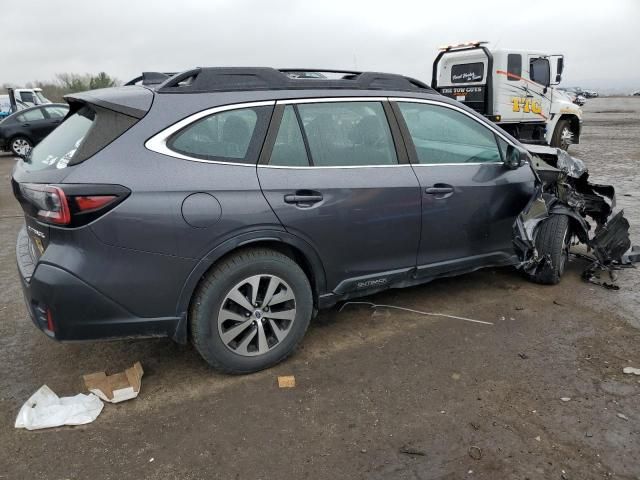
600 40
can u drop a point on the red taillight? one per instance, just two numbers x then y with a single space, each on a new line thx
51 202
93 202
69 205
50 325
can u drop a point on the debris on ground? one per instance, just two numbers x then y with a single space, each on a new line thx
411 310
566 399
286 381
411 450
631 370
622 416
523 356
475 452
117 387
45 409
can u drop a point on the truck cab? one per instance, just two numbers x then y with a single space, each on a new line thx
514 88
30 96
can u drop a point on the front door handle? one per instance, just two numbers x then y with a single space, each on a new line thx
303 197
439 189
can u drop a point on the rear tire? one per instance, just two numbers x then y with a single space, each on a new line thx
562 135
250 311
20 146
552 242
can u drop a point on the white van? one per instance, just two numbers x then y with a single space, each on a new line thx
514 88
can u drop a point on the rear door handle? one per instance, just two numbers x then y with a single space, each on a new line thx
308 198
438 190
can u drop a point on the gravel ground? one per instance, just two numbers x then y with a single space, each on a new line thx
380 394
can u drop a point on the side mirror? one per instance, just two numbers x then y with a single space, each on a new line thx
515 157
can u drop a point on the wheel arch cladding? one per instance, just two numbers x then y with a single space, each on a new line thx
295 248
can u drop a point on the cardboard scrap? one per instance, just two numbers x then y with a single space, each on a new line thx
287 381
117 387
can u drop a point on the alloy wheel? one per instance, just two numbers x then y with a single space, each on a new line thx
257 315
566 138
21 146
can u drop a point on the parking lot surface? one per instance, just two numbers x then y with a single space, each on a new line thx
380 393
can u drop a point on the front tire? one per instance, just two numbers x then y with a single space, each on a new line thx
20 146
562 135
552 242
251 311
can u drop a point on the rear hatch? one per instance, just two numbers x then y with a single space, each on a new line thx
95 120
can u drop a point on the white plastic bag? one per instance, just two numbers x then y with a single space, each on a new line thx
45 409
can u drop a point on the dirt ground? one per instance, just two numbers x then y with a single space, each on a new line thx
380 394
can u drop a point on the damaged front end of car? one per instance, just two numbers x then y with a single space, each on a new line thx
563 188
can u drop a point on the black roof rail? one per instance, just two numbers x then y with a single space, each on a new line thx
218 79
151 78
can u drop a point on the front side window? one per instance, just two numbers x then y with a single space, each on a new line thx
31 115
289 149
348 134
224 136
442 135
514 67
539 71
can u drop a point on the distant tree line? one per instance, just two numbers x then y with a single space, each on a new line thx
65 83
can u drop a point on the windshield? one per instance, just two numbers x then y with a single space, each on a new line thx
41 98
57 148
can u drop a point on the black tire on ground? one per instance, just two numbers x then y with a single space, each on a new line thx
557 140
15 141
552 241
222 280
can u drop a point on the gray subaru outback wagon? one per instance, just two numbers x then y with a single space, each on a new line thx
227 205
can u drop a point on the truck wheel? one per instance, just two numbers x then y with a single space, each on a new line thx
20 146
552 242
251 311
562 135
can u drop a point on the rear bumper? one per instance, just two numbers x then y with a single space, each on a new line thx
65 307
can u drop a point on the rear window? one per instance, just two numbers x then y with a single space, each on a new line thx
467 72
79 136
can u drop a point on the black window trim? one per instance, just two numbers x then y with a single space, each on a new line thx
398 142
406 135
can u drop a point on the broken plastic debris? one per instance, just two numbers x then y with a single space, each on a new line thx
287 381
565 399
622 416
45 409
635 371
117 387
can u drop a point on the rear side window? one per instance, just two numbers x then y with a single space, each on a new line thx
514 67
31 115
230 136
289 149
348 134
444 136
56 112
79 136
467 72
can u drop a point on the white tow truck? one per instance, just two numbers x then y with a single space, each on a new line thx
514 88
